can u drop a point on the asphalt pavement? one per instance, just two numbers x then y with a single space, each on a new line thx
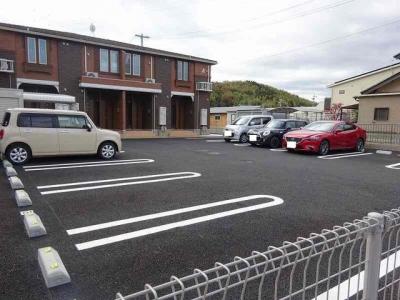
78 197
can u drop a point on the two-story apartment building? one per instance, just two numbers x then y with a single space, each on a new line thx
121 86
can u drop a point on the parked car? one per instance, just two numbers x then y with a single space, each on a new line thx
26 133
323 136
272 133
238 130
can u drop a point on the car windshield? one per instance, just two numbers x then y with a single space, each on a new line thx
320 126
275 124
241 121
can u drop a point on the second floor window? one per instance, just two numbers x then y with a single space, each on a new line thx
132 64
109 61
182 70
36 51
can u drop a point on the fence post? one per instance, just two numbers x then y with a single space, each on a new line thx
373 258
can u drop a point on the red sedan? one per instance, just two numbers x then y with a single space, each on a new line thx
323 136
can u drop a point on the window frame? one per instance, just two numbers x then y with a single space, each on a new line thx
139 59
72 116
39 40
52 116
28 48
217 117
111 56
182 70
128 55
378 111
107 52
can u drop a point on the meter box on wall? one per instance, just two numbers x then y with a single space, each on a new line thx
163 116
204 117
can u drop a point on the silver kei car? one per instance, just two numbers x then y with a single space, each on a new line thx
239 128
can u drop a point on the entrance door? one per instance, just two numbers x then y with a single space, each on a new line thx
182 113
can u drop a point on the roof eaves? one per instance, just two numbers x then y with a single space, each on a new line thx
364 74
378 85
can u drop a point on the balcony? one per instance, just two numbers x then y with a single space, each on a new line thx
119 84
6 65
204 86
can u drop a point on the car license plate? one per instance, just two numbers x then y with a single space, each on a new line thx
227 133
291 145
252 138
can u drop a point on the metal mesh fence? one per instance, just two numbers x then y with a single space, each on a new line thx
339 263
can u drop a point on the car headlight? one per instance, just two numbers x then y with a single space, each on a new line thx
314 138
265 133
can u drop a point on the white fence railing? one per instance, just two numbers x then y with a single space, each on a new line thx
204 86
357 260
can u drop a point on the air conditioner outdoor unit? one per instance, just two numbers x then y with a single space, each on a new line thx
150 80
6 65
92 74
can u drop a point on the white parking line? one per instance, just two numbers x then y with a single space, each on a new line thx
161 214
167 177
139 233
215 141
387 265
87 165
394 166
344 155
242 145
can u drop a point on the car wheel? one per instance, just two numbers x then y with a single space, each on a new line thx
360 146
274 142
107 150
324 147
243 138
291 150
227 140
18 154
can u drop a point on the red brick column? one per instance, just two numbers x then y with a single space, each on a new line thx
122 111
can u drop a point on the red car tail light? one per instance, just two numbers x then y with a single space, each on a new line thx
1 134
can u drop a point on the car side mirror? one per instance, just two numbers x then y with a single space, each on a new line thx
337 131
87 127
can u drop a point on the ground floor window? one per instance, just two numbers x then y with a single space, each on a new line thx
381 114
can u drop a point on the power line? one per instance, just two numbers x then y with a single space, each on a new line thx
252 19
241 28
332 40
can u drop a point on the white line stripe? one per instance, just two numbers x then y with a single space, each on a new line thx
95 187
138 161
341 154
394 166
333 292
112 180
82 163
215 141
160 215
156 229
242 145
344 156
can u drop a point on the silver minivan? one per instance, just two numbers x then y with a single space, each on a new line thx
239 128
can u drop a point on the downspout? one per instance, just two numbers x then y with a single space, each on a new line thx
151 67
85 60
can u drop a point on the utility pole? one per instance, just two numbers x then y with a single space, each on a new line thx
142 37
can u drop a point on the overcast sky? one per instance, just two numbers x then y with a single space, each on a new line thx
297 45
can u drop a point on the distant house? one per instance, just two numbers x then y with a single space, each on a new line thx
345 91
224 115
380 103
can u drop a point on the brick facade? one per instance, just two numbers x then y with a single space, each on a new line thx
113 100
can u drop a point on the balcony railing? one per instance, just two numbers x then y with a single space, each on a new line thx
204 86
6 65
